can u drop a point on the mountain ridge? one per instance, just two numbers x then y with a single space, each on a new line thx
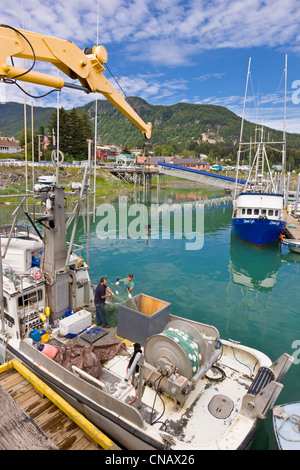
177 124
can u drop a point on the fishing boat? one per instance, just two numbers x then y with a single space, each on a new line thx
169 383
258 217
286 426
258 207
155 381
292 244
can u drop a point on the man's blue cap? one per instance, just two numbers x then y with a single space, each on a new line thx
130 275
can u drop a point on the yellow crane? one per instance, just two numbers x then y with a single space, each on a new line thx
86 66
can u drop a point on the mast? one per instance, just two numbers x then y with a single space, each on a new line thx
241 132
284 136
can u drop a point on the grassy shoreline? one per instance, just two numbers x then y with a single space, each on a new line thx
107 186
14 180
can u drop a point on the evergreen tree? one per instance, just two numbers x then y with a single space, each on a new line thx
74 130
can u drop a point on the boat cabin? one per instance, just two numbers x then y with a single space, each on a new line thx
25 283
258 206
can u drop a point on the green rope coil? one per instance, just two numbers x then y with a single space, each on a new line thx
188 346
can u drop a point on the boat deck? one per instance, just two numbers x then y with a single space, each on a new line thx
180 423
33 417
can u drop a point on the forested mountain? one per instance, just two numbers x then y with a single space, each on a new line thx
177 124
187 129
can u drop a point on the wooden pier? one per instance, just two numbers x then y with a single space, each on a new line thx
34 417
292 226
139 176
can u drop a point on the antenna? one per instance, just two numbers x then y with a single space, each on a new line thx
241 133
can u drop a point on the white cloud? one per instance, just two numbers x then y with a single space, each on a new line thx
207 76
151 87
174 31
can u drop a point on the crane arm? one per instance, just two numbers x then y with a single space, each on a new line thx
67 57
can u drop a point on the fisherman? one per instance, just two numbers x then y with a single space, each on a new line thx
128 283
100 296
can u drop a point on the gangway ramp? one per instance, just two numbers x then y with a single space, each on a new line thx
213 179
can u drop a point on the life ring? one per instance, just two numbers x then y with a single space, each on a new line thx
36 274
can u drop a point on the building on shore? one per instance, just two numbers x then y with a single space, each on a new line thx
194 163
9 145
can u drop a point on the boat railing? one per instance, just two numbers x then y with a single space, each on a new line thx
19 231
76 248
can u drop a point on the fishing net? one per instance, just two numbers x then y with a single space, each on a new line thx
121 296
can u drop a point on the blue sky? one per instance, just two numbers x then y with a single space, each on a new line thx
169 51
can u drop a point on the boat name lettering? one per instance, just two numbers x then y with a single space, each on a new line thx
273 222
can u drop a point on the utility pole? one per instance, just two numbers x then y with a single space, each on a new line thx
39 135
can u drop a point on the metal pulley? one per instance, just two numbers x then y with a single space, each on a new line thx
57 157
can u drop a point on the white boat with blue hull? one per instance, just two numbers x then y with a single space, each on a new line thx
257 217
258 208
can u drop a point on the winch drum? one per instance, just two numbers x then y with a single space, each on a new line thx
160 346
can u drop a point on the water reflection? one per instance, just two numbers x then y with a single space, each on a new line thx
254 267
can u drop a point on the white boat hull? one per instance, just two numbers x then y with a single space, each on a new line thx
286 426
292 244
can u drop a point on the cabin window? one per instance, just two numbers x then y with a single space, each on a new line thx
249 211
30 298
256 211
263 212
5 303
270 212
276 213
243 211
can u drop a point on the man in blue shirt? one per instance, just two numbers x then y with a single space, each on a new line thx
100 296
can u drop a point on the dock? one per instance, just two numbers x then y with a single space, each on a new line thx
34 417
292 226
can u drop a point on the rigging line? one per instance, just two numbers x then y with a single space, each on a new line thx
30 45
272 108
120 87
256 100
12 82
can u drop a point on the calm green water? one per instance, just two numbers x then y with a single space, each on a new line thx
249 294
